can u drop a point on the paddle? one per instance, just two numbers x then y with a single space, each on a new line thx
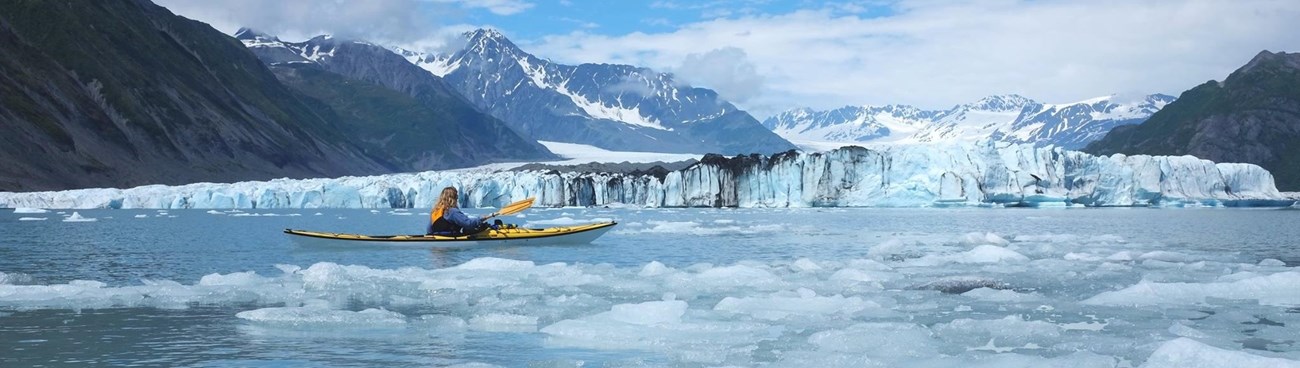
513 208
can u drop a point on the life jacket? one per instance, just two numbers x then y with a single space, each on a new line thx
440 225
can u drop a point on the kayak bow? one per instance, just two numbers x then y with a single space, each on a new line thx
577 234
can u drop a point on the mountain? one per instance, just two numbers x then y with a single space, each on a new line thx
123 93
617 107
396 107
1252 116
1008 118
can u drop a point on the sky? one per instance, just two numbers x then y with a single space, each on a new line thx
767 56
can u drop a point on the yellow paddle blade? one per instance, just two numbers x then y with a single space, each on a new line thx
516 207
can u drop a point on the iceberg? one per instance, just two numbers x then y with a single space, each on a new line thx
969 174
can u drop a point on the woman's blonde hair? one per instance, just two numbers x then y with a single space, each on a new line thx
447 199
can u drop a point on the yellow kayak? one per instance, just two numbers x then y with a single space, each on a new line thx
577 234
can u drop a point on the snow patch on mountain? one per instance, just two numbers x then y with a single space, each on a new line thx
617 107
1008 118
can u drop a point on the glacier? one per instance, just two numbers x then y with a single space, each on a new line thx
986 173
1006 118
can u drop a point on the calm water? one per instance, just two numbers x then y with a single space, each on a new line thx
804 287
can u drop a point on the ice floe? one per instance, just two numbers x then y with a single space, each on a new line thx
978 300
1276 289
76 217
1187 353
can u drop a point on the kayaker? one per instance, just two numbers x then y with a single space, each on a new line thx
447 219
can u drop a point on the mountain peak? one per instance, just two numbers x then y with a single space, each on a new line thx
484 39
249 34
1009 102
1267 58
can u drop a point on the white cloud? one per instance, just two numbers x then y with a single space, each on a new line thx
725 70
498 7
408 23
939 53
394 21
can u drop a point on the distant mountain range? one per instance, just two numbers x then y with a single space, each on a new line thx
391 104
616 107
1008 118
1252 116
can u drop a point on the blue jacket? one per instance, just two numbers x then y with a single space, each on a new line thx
456 222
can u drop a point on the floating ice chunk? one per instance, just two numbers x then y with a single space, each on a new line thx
996 295
76 217
1165 256
649 313
495 264
887 248
442 323
215 212
856 275
654 268
561 221
981 254
1084 257
1276 289
1179 329
659 326
29 210
1084 326
1270 262
1237 276
805 265
141 216
1121 256
992 346
318 316
503 322
780 307
232 279
1187 353
1011 330
15 278
983 238
879 339
32 218
737 276
991 254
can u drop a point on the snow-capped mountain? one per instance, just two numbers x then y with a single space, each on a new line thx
618 107
1008 118
396 106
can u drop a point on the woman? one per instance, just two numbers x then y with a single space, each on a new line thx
447 219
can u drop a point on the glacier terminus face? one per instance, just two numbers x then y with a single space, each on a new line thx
980 174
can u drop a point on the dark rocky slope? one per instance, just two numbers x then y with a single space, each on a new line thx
1252 116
